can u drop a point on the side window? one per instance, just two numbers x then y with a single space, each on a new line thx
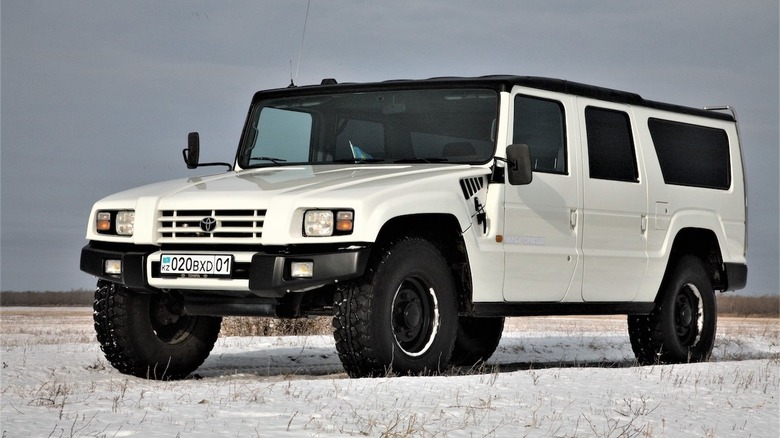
611 153
539 123
692 155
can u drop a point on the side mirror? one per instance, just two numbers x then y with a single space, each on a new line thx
518 169
192 153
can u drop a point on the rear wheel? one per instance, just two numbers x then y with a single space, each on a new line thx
477 340
682 326
146 335
403 318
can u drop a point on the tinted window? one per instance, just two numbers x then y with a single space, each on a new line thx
539 123
358 136
692 155
611 153
283 135
386 125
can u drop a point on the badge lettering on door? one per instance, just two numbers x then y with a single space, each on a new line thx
524 240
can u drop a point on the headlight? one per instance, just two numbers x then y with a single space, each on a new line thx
125 222
115 222
322 223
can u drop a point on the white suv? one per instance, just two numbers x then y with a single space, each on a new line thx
421 213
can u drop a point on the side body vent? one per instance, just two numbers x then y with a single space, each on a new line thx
471 186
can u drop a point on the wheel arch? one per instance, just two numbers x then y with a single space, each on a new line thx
703 244
443 231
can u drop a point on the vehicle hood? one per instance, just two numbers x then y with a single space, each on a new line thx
255 188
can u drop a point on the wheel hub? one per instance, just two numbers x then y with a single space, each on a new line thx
407 316
168 323
685 316
414 316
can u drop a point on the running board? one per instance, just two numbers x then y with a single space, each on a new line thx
559 309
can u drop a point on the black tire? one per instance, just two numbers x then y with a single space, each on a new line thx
682 326
145 336
403 318
477 340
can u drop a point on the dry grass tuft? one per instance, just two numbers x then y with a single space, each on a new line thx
256 326
741 306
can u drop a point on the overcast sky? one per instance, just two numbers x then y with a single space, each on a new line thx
99 96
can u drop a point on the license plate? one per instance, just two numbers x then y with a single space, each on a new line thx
196 265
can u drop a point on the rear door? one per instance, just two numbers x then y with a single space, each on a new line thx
614 203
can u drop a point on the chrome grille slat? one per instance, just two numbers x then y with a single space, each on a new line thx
181 226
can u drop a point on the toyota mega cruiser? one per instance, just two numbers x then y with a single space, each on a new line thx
421 213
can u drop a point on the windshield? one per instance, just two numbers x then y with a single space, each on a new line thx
408 126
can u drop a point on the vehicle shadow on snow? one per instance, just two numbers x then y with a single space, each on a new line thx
273 361
514 353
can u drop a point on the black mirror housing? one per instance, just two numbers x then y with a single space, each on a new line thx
192 153
518 170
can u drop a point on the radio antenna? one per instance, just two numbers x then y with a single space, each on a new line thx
300 48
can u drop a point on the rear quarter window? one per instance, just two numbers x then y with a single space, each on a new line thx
692 155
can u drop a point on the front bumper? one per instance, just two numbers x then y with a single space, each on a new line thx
261 273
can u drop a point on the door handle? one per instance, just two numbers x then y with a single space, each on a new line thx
573 218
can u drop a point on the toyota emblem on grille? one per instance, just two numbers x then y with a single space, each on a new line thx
208 224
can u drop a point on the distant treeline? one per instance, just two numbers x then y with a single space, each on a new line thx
71 298
732 304
729 304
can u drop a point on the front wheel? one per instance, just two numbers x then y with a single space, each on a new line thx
682 326
403 318
146 335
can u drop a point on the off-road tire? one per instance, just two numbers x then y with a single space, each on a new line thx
682 326
476 341
143 335
402 317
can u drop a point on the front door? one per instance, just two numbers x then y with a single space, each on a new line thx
542 220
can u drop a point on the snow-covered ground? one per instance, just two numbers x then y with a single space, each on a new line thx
550 377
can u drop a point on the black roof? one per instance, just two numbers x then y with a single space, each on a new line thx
498 82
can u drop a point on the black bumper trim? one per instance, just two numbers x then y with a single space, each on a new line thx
271 272
736 276
133 270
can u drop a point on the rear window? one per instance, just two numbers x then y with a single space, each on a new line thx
692 155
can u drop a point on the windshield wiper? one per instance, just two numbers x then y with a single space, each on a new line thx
273 160
422 160
359 160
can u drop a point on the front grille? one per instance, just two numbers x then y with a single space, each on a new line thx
177 226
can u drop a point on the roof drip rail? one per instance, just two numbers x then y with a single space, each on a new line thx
728 108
